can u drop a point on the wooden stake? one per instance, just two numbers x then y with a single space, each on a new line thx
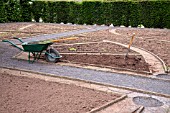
130 43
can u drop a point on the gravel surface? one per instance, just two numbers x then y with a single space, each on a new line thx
123 80
164 76
65 34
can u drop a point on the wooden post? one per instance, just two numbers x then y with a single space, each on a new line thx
130 43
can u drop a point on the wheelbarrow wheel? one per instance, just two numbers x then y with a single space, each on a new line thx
54 53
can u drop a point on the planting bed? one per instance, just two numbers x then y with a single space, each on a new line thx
102 54
109 61
92 47
31 95
9 30
51 28
23 30
12 26
153 40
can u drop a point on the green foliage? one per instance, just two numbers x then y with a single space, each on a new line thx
13 10
134 14
3 14
37 10
26 10
75 13
87 12
61 12
155 14
47 13
119 13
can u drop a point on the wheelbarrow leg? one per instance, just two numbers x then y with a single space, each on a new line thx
39 56
36 56
29 57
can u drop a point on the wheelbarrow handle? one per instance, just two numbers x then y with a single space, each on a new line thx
18 39
13 44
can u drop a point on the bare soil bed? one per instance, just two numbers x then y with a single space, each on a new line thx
102 54
12 26
51 28
153 40
92 47
31 95
24 30
132 62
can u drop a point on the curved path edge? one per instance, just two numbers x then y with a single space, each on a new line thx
155 65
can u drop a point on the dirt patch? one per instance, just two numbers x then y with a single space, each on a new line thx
24 30
153 40
156 34
22 94
12 26
93 47
10 34
102 54
51 28
9 30
110 61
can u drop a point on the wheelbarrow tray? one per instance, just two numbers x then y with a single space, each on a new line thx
33 47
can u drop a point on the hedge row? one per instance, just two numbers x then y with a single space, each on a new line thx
15 11
148 13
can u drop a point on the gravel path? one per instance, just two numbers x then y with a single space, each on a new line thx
70 33
136 82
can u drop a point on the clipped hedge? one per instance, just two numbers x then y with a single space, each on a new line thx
3 14
26 14
15 11
151 14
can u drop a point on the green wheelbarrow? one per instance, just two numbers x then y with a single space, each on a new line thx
36 48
